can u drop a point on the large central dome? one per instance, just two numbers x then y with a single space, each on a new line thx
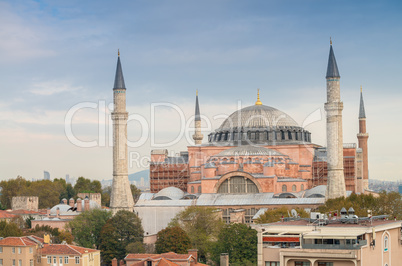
259 124
258 116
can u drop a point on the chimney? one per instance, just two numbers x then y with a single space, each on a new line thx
114 262
71 202
194 253
86 204
64 201
224 259
79 205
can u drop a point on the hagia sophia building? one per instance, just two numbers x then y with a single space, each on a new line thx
260 149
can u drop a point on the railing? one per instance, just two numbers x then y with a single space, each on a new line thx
333 246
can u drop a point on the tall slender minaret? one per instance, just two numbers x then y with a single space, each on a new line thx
336 180
197 123
362 136
121 197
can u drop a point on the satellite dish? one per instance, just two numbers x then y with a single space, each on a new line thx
294 213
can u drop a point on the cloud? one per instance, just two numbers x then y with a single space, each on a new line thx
48 88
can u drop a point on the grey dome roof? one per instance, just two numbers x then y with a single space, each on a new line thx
257 116
249 150
62 208
172 193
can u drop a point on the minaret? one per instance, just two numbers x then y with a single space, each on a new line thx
197 123
363 137
121 197
336 180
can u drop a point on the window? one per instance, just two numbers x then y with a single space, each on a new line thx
294 188
1 249
49 259
386 243
13 262
66 260
19 250
284 188
60 260
272 263
30 250
54 259
325 264
13 249
1 262
31 263
149 263
19 262
302 263
238 184
77 260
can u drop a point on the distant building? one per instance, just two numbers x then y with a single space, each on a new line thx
68 179
400 189
321 242
29 203
46 175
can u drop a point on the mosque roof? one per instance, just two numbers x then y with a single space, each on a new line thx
257 116
169 193
248 150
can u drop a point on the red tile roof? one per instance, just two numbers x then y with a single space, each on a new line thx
6 215
19 241
65 249
165 262
164 258
23 212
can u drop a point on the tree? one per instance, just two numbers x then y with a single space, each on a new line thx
12 188
202 225
239 241
65 235
118 232
87 226
135 247
84 185
136 192
173 239
9 229
271 216
106 196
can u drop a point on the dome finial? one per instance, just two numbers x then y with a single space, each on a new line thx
361 89
330 40
258 102
118 52
196 92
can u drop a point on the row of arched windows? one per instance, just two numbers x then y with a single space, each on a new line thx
294 188
193 191
297 134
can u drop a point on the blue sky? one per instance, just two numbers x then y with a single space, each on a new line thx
57 54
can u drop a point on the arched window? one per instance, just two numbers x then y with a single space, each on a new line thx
294 188
289 135
302 187
199 189
284 188
386 243
238 184
282 134
297 135
192 189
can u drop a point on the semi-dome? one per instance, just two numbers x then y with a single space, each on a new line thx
169 193
259 124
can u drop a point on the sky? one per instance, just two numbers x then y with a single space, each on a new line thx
58 61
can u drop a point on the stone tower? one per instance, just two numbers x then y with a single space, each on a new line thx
336 180
363 137
197 123
121 197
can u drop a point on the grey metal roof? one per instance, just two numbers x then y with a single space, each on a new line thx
362 112
332 69
209 165
318 190
119 80
172 193
197 109
249 150
257 116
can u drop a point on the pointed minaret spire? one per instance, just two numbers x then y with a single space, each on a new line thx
197 123
362 112
197 108
332 69
119 79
